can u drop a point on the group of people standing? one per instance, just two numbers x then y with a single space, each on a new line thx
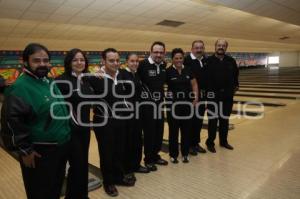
47 122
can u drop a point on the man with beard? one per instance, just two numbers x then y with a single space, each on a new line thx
197 62
152 72
223 83
35 125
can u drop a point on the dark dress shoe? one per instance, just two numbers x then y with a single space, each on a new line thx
185 159
227 146
199 149
211 149
193 151
142 169
151 167
174 160
126 182
161 162
111 190
130 176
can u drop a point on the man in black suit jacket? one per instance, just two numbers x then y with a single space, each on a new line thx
223 83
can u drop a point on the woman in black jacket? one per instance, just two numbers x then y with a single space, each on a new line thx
134 138
71 83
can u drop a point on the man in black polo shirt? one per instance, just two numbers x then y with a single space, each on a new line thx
152 72
197 61
223 83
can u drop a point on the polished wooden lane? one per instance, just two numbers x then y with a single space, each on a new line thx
264 164
263 155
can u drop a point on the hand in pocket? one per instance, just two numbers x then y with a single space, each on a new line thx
29 160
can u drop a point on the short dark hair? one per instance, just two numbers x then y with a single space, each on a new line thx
197 41
69 58
129 55
175 51
226 42
33 48
158 43
107 50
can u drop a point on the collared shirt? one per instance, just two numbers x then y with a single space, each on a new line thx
129 70
151 61
200 60
179 84
182 67
109 76
75 75
223 74
152 81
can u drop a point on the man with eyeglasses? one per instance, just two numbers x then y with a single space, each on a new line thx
152 72
197 61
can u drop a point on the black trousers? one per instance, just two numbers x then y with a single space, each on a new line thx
153 129
219 112
111 141
46 179
197 123
133 145
185 128
77 181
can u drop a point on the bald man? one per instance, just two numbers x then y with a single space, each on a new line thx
223 83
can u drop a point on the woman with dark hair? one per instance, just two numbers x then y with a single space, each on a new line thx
36 129
134 137
183 94
73 85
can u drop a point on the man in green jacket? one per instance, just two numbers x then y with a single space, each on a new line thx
35 124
